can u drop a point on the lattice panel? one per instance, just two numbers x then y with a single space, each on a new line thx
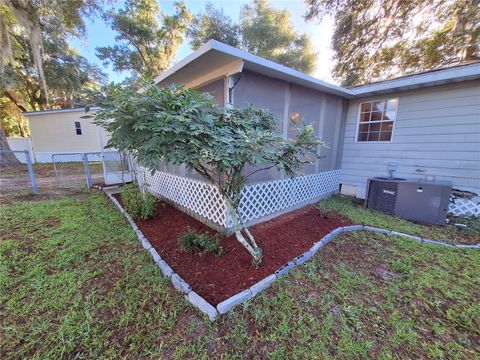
463 207
197 196
258 200
267 198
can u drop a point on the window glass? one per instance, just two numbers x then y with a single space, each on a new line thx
78 128
376 120
365 117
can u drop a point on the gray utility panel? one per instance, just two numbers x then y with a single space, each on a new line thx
414 199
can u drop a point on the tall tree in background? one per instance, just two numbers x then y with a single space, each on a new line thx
213 24
147 39
263 30
63 18
37 68
379 39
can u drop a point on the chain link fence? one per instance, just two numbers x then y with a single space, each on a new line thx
16 172
66 171
70 171
117 167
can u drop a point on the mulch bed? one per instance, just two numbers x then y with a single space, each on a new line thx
216 278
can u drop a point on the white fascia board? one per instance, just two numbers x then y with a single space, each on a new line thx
462 73
43 112
185 61
247 57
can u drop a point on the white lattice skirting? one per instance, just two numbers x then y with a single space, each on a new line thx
258 200
463 207
266 198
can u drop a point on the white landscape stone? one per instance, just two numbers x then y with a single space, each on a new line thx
146 244
407 235
166 269
352 228
299 260
180 284
155 255
231 302
203 305
375 229
316 247
262 284
285 269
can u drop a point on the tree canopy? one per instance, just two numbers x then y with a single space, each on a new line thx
147 39
376 40
178 126
213 24
262 30
56 17
63 71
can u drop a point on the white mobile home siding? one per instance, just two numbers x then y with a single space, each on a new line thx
437 132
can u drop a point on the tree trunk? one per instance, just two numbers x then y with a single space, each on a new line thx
6 159
249 244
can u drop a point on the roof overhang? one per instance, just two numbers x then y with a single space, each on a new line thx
215 52
58 111
428 79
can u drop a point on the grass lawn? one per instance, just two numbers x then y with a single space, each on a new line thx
76 283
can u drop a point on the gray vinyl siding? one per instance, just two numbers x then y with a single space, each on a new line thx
216 89
436 132
323 111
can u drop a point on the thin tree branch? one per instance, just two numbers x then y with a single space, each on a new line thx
15 102
258 170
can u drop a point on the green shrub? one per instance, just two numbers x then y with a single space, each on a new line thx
202 242
139 205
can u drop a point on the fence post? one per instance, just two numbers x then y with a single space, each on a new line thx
31 172
87 170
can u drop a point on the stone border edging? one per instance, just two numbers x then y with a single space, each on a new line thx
228 304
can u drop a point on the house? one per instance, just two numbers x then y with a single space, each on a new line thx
425 125
430 127
428 124
63 131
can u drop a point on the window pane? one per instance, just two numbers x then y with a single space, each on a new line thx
387 126
78 131
363 128
376 116
390 115
378 106
374 136
364 117
362 136
375 127
385 136
366 107
392 104
376 120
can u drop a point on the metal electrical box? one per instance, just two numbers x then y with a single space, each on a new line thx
419 200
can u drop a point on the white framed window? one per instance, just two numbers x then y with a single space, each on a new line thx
78 128
376 120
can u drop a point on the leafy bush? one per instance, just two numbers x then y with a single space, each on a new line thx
139 205
203 242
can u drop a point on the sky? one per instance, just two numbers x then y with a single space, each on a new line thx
100 34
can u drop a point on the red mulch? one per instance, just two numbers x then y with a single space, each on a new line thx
216 278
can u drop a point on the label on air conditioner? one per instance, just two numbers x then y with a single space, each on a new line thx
388 192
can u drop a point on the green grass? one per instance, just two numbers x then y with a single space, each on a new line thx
75 283
350 208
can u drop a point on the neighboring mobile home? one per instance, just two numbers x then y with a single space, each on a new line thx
426 125
63 131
